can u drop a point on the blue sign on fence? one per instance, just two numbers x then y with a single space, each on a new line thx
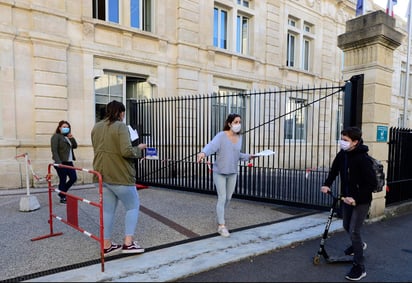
381 133
151 153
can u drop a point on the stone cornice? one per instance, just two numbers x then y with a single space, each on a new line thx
369 29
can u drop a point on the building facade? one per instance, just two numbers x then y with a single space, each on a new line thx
67 59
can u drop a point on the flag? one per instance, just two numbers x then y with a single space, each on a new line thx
389 7
360 8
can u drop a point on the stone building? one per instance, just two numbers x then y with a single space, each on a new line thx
67 59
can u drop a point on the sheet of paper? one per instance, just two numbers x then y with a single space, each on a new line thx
133 133
265 152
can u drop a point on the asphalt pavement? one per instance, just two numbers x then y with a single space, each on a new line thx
178 231
388 258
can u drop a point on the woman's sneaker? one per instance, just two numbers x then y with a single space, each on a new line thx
112 249
222 230
349 250
134 248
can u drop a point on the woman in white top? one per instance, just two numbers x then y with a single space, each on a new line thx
227 145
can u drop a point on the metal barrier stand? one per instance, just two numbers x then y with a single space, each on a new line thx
72 210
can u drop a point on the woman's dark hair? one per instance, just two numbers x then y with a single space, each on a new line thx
354 133
61 124
230 118
113 111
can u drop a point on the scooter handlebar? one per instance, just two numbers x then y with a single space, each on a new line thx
340 198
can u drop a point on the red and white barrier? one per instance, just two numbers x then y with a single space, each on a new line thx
72 218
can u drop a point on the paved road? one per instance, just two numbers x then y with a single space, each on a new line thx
388 259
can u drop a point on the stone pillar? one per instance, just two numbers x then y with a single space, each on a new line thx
368 45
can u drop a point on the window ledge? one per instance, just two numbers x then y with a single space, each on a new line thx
291 69
230 53
118 27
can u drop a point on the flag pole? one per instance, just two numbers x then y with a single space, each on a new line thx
406 96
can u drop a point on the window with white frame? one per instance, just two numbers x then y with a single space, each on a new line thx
107 88
299 48
220 28
296 119
305 54
233 36
141 14
242 34
113 11
290 58
244 3
226 101
133 13
402 82
123 88
400 121
403 92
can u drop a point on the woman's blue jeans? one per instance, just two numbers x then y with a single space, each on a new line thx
129 196
225 186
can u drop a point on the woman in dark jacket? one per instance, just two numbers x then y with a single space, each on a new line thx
62 144
357 183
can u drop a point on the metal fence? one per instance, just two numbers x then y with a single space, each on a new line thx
399 178
301 125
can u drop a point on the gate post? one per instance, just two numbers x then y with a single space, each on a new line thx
368 45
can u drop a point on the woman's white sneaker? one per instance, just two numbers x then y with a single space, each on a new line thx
222 230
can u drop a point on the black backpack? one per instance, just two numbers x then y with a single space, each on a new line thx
380 174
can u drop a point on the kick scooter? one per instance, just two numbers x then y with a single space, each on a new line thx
322 250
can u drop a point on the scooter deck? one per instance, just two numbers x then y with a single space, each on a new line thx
339 259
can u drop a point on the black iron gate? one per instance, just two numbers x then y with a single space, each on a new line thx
301 125
399 177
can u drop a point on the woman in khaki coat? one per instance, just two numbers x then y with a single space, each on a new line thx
114 158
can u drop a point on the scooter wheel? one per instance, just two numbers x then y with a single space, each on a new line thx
316 259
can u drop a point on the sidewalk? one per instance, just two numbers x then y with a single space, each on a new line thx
177 229
168 218
175 262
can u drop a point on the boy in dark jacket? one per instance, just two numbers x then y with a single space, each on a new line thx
357 183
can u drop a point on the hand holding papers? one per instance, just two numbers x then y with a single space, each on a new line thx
133 134
265 152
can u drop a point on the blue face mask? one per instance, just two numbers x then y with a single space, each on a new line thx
65 131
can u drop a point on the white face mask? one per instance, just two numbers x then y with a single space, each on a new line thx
236 128
344 145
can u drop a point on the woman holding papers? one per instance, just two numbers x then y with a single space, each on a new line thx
226 144
114 158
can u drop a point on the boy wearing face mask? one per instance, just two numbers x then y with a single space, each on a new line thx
357 183
227 145
62 144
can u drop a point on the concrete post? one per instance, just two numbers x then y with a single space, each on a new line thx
368 45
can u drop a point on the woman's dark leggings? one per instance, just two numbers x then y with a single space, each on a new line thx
63 173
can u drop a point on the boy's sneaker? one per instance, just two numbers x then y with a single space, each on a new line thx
112 250
349 250
134 248
356 273
63 201
222 230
